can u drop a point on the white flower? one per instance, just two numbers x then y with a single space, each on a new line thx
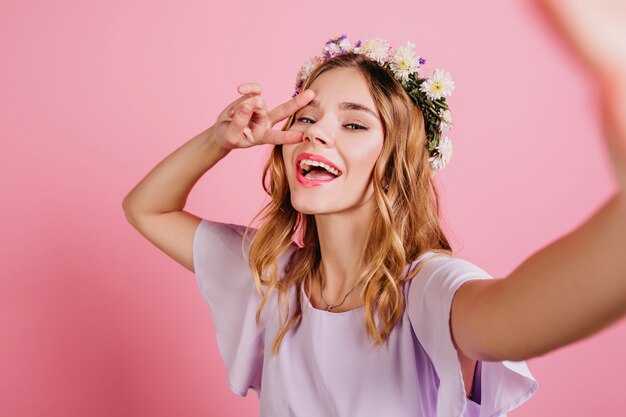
404 61
332 50
446 120
345 45
438 85
376 49
306 68
444 153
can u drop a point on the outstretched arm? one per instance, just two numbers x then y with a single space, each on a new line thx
575 286
565 292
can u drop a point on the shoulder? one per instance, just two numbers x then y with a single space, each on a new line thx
433 266
210 227
502 385
213 236
435 279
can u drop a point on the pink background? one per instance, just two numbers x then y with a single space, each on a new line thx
96 321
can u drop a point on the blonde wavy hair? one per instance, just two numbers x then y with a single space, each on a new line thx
405 226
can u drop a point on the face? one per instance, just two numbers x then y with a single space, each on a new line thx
341 130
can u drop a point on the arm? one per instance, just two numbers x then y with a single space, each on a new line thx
567 291
155 206
166 187
576 286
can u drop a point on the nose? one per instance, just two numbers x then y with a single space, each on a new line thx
316 133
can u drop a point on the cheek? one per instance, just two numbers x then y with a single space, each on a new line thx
363 157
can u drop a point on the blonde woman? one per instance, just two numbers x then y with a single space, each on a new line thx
347 300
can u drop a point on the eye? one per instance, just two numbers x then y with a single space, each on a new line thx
355 126
303 118
349 126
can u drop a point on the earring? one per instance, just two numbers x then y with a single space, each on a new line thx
386 187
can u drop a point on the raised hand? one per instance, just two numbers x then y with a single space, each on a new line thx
246 121
595 30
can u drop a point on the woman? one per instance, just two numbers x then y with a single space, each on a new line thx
426 333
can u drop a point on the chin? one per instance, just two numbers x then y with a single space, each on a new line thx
310 206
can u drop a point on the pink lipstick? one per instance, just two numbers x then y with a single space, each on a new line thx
310 182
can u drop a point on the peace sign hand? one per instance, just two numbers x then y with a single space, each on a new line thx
247 122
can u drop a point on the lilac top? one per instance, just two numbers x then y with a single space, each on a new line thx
328 367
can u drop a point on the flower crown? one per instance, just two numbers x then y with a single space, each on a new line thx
429 93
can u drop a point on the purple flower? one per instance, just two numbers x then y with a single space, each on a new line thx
422 61
336 39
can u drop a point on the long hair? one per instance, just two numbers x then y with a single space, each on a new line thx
405 225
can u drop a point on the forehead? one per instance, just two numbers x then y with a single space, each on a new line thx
341 85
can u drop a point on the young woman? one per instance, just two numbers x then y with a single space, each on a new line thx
347 301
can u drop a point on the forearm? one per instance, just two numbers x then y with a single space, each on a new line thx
568 290
166 187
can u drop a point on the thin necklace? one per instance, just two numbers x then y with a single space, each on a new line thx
330 306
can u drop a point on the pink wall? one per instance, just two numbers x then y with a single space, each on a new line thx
95 321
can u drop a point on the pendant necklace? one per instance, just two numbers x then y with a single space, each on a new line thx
330 306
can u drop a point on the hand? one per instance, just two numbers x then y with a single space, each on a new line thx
595 30
246 121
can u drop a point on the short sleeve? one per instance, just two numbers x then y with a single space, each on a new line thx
227 286
503 385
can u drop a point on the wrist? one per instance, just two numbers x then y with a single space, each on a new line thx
213 144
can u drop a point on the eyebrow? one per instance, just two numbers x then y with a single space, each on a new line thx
346 105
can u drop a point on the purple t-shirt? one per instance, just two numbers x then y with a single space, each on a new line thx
328 367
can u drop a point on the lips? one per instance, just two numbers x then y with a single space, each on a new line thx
309 182
314 157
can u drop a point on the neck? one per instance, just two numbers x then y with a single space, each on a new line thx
342 240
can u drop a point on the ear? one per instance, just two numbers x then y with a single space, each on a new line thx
385 184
